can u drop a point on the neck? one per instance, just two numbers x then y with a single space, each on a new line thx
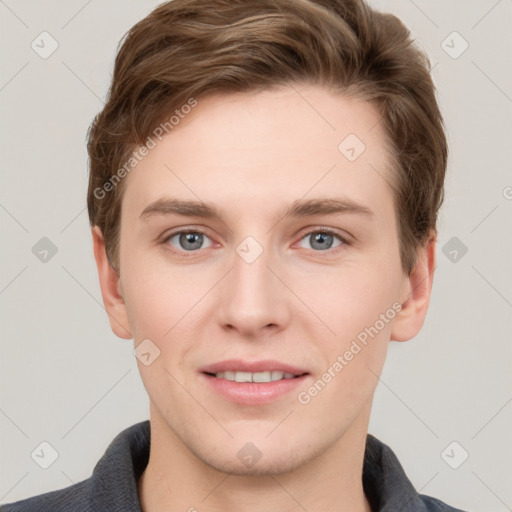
175 479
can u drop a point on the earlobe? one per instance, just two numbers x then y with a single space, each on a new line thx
111 289
416 294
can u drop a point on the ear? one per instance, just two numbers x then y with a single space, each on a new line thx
110 288
416 294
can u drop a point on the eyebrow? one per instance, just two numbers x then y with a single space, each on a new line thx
298 208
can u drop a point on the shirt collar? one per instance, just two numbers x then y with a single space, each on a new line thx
113 484
385 483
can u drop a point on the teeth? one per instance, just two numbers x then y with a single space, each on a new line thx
269 376
243 377
276 375
261 377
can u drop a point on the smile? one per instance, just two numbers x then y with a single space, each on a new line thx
267 376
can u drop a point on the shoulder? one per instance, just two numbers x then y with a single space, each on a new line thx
387 486
434 505
69 499
112 485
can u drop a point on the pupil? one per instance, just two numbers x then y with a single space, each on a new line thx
322 239
191 238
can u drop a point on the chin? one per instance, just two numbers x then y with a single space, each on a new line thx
264 457
266 466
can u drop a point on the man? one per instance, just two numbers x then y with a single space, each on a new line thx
264 184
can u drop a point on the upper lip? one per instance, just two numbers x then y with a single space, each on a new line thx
238 365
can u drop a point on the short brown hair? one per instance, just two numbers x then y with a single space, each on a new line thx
190 48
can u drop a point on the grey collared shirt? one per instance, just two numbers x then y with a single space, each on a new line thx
112 486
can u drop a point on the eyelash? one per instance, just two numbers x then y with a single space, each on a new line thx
326 231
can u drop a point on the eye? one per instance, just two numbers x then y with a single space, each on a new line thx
187 241
322 239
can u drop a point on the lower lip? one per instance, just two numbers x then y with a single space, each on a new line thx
253 393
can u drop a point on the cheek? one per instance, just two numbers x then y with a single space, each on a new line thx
365 307
166 306
354 360
352 298
154 300
358 306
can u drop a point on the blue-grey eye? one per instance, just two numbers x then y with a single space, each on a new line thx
322 240
189 241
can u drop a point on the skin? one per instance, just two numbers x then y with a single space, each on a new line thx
251 155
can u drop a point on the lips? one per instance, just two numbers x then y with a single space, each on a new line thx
237 366
253 382
267 376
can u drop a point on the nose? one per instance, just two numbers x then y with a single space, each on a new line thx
253 300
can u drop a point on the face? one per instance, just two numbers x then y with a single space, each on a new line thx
292 273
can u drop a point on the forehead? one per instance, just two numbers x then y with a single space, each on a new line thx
267 149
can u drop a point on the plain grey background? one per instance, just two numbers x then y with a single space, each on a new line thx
67 380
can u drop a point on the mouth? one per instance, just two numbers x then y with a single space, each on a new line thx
253 383
259 377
